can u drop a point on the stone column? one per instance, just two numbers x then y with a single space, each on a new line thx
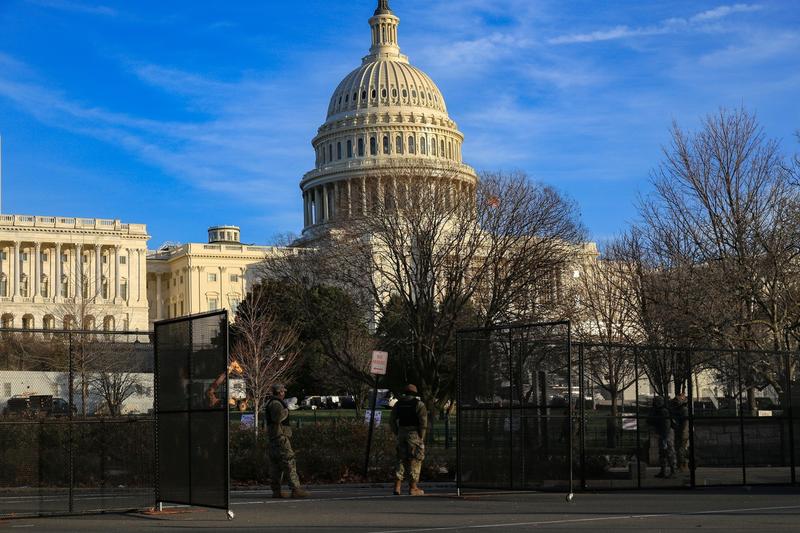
381 198
57 281
78 292
349 199
158 296
98 270
129 276
116 273
37 271
16 270
326 215
395 199
141 273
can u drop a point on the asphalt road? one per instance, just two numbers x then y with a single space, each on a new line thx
368 510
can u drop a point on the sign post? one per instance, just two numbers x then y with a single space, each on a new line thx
377 367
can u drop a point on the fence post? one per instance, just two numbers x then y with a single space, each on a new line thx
71 444
690 389
638 420
792 458
458 416
582 422
741 417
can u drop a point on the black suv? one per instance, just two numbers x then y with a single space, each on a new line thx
36 405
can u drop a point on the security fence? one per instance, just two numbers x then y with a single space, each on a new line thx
529 400
76 422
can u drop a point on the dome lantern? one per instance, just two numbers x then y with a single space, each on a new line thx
384 25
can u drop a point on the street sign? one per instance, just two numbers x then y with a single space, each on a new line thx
380 360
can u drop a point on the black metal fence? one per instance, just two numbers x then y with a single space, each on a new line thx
628 416
76 422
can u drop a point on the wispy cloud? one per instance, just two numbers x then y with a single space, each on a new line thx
76 7
671 25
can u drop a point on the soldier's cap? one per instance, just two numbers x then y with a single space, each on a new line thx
411 389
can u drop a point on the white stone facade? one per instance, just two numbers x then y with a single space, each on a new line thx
50 263
196 278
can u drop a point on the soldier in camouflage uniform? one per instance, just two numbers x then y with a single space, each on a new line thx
281 455
409 421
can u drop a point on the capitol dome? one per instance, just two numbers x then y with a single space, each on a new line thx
385 114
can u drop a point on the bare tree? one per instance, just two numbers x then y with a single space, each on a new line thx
266 350
115 375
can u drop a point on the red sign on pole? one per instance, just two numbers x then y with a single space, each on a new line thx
380 360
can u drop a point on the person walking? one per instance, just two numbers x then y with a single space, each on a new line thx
281 456
661 421
409 422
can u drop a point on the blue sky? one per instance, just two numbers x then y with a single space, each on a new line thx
185 114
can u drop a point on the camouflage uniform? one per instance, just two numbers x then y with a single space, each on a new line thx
409 421
281 455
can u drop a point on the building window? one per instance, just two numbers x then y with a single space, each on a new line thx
361 148
175 310
3 286
44 286
338 150
43 256
423 146
373 146
235 305
399 144
3 256
234 278
105 259
349 149
123 289
433 146
212 278
105 289
442 152
23 286
213 305
123 260
330 152
412 145
181 308
48 322
64 286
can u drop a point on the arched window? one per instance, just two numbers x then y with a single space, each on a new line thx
399 144
347 98
44 286
442 152
23 285
373 146
363 95
108 323
423 146
433 146
48 322
386 147
3 285
8 321
394 92
88 323
383 34
374 94
123 289
360 147
414 93
349 148
27 322
384 93
450 149
412 145
405 93
338 150
69 322
330 152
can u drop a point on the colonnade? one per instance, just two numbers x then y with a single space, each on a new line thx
49 272
354 197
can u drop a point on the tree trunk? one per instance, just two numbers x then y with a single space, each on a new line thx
256 405
612 421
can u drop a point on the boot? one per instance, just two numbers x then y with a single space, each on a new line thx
413 490
276 493
299 493
398 486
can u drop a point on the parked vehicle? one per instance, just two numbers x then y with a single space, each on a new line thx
36 405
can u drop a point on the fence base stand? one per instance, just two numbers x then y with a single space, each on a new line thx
570 497
160 507
231 516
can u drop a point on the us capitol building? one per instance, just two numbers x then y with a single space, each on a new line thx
385 114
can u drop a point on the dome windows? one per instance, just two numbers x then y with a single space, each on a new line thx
405 93
347 98
384 94
414 93
374 94
386 147
412 148
363 95
399 144
373 146
339 150
349 149
423 146
394 92
360 147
